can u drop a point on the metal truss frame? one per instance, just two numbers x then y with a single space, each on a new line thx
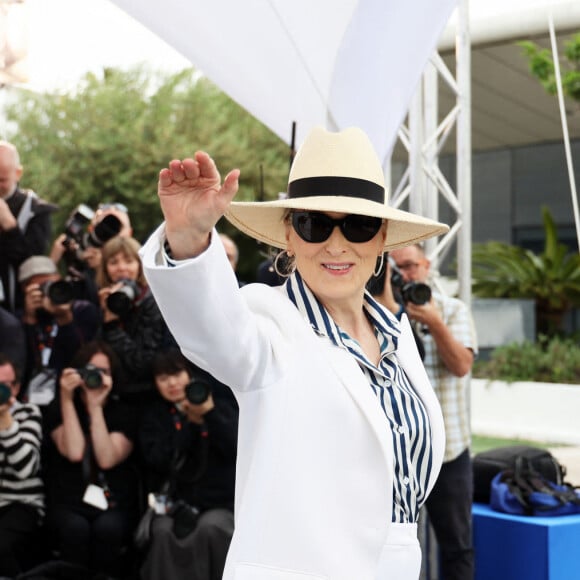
424 136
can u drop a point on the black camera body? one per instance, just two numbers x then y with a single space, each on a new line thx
121 301
414 292
185 518
198 390
59 292
5 393
91 376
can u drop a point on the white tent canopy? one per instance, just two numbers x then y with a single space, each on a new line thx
336 63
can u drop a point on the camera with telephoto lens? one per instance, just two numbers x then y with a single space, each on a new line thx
77 221
414 292
5 393
121 301
96 237
102 232
198 390
91 376
58 291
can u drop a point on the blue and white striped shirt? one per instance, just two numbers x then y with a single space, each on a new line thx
404 411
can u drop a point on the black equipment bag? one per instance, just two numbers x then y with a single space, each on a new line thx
487 464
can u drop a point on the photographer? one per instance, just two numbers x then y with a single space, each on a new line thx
446 329
25 225
188 439
91 479
391 290
131 322
21 487
55 325
79 247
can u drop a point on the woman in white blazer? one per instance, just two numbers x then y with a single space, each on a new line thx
340 436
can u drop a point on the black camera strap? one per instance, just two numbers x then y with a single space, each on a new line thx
45 336
177 461
180 456
91 471
90 467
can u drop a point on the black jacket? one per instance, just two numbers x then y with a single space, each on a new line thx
69 338
16 246
136 339
207 477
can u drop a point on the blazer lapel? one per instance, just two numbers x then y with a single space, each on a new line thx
352 379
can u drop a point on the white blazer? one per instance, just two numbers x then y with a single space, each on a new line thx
315 460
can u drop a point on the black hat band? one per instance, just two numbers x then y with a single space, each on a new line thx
341 186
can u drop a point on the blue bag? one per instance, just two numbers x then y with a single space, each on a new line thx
523 491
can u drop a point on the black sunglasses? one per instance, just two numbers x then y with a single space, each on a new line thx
316 227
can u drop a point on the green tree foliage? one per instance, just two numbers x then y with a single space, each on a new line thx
551 278
107 141
541 65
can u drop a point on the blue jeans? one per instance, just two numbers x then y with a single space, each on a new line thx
449 509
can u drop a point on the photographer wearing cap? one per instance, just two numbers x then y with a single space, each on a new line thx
91 479
188 439
446 329
55 324
21 487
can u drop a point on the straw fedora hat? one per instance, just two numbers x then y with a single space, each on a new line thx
333 172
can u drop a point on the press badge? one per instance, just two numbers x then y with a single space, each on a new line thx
95 496
42 387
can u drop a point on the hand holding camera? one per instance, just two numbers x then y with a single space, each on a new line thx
92 377
427 315
52 296
118 300
95 235
198 400
96 383
33 301
58 299
410 292
81 232
122 299
58 292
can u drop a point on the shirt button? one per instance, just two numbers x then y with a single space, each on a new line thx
401 429
406 480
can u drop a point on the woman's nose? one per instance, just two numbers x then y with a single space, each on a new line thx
336 241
